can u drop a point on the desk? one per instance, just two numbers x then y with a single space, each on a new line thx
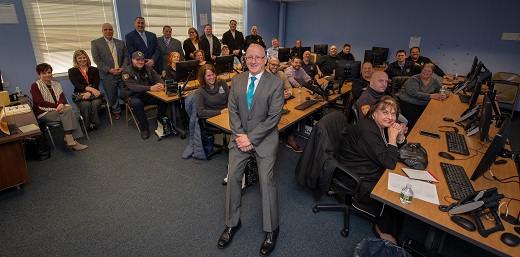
429 213
222 120
13 171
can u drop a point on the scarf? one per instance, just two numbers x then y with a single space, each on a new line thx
46 93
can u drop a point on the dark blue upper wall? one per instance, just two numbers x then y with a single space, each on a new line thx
17 61
452 32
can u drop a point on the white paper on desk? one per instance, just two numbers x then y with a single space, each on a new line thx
29 128
421 190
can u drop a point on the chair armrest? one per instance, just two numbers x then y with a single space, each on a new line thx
357 180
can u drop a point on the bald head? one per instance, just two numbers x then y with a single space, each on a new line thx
379 81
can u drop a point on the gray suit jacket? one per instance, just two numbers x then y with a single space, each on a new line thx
102 56
174 46
261 122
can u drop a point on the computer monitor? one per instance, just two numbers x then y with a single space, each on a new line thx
284 54
475 93
385 55
186 70
473 66
321 49
485 118
376 57
316 89
347 70
224 64
303 49
496 146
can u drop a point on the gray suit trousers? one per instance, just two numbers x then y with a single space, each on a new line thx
111 87
237 163
68 120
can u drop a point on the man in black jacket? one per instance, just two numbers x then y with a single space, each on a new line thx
254 38
210 44
419 61
234 39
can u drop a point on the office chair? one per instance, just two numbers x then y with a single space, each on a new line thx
507 87
398 82
147 109
211 131
317 166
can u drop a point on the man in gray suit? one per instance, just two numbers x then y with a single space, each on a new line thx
255 108
168 44
110 56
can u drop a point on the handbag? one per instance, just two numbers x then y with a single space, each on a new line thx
414 156
76 96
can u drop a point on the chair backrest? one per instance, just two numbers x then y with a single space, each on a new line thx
398 82
506 76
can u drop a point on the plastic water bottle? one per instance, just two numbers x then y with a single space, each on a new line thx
456 78
407 194
18 91
442 90
299 94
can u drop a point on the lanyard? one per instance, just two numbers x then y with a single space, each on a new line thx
84 74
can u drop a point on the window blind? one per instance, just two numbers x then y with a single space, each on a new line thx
175 13
222 11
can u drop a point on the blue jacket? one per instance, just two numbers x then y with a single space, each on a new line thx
134 42
194 148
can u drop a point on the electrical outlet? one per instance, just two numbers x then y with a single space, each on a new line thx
511 36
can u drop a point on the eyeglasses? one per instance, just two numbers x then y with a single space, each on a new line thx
256 58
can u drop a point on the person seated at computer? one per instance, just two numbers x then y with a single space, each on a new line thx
327 63
50 105
419 61
377 89
191 44
416 93
370 148
236 63
272 52
310 67
346 54
199 56
401 67
295 71
211 99
171 66
274 68
295 51
85 79
360 84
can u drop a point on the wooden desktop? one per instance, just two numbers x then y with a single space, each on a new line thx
13 168
429 121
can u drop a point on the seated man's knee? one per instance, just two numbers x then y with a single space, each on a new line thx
136 103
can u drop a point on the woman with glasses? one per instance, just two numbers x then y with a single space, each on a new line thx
191 44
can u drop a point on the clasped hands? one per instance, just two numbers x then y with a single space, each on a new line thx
397 130
60 107
243 143
157 87
438 96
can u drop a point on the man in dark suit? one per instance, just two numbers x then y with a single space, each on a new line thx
110 56
144 41
167 45
234 39
254 38
419 61
210 44
255 107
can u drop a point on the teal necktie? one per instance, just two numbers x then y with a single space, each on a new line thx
250 93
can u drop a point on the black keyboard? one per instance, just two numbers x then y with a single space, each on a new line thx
457 143
464 98
457 180
305 105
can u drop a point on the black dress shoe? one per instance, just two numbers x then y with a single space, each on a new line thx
269 242
145 134
227 236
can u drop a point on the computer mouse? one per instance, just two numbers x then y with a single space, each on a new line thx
446 155
502 161
517 229
510 239
463 223
308 98
448 119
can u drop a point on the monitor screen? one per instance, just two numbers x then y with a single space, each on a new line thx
476 92
493 151
186 70
284 54
473 66
347 70
224 64
321 49
303 49
485 118
385 55
376 57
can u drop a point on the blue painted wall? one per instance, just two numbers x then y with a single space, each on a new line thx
452 32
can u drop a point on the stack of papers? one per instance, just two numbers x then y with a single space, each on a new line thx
421 190
17 109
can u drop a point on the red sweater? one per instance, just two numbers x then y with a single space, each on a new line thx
39 101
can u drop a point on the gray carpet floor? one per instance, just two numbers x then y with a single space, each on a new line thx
125 196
